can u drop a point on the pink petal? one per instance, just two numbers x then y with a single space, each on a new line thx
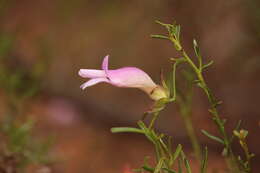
130 77
105 64
91 73
92 82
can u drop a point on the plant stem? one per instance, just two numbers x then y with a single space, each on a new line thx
154 118
213 110
191 133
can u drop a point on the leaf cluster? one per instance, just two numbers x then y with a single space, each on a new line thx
20 143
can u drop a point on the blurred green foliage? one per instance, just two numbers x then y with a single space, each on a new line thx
19 145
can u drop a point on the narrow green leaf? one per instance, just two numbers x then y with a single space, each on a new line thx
207 65
160 36
177 32
163 24
215 138
187 165
197 53
147 168
196 48
204 161
177 152
179 165
186 162
159 166
169 170
126 130
236 129
148 133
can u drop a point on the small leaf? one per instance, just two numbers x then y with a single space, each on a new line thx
160 36
204 161
126 130
147 168
196 48
159 166
197 53
215 138
169 170
186 162
236 133
187 165
177 152
207 65
177 32
244 133
236 129
163 24
148 133
179 166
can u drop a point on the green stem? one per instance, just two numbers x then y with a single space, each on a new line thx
193 138
213 104
154 118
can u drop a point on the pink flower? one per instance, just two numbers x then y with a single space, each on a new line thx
127 77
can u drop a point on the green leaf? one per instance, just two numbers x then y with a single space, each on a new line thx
236 129
148 133
169 170
159 166
163 24
204 161
160 36
187 165
164 84
186 162
147 168
177 152
126 130
177 32
215 138
207 65
179 165
196 48
197 53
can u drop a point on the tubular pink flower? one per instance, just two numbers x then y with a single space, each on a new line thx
127 77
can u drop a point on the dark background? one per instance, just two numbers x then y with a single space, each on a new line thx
71 35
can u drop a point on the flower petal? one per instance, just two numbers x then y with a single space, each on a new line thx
130 77
105 64
92 82
91 73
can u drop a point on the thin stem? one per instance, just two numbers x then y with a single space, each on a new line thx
193 138
218 121
213 105
154 118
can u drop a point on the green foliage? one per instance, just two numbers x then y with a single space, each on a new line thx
6 41
215 138
245 164
165 157
173 36
21 144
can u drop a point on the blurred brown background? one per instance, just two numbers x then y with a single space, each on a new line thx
78 34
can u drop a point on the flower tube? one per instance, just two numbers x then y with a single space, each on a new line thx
126 77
